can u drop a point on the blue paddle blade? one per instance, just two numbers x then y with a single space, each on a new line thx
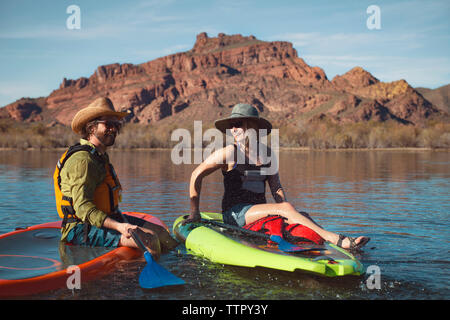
285 246
154 275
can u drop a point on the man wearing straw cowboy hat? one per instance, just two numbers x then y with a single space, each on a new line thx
88 191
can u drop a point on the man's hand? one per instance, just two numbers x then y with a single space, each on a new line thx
124 229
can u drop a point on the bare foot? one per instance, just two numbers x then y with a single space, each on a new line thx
350 243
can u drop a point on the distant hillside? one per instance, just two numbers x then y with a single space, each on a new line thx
218 72
439 97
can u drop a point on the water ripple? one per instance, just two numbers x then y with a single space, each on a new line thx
399 199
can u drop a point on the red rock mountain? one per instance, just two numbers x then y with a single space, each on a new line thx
204 82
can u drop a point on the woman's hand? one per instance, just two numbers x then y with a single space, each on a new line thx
217 160
193 217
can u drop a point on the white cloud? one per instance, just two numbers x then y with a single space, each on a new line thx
53 32
418 71
417 57
298 39
149 54
353 42
131 20
12 91
343 62
153 3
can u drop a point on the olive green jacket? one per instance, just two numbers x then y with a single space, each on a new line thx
80 176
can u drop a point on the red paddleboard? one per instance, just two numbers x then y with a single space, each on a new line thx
33 260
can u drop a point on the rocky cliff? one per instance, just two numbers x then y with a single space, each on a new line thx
218 72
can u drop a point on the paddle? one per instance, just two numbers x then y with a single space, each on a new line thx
153 275
289 247
283 245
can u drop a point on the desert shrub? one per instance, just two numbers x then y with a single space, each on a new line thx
435 135
379 138
144 136
319 134
403 136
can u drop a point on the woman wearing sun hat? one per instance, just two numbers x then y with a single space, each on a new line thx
88 191
244 198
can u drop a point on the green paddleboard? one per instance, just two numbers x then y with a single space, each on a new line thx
235 248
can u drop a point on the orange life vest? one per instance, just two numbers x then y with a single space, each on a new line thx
106 196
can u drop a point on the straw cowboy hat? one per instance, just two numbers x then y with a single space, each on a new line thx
243 111
99 108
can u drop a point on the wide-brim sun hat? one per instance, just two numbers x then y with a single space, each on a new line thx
243 111
100 107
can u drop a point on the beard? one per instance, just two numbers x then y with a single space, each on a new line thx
106 138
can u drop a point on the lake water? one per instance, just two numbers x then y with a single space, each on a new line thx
398 198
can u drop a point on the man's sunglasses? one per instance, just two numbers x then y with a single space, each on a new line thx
109 124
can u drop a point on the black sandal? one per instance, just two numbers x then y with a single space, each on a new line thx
353 244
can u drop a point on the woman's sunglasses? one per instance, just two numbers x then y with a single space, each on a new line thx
236 124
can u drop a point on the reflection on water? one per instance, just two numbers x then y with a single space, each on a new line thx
398 198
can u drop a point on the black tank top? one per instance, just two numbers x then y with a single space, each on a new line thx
244 184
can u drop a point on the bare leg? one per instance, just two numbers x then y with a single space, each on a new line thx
286 210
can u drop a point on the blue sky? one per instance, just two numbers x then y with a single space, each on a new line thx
37 50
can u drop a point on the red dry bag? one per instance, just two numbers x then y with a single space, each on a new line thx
293 233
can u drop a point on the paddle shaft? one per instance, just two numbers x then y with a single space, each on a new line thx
258 234
153 275
235 228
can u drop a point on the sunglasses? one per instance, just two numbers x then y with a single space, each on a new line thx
236 124
109 124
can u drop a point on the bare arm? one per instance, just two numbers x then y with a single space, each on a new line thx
215 161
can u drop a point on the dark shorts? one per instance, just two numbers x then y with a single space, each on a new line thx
99 237
236 214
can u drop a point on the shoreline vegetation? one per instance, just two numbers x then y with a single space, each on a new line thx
319 135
